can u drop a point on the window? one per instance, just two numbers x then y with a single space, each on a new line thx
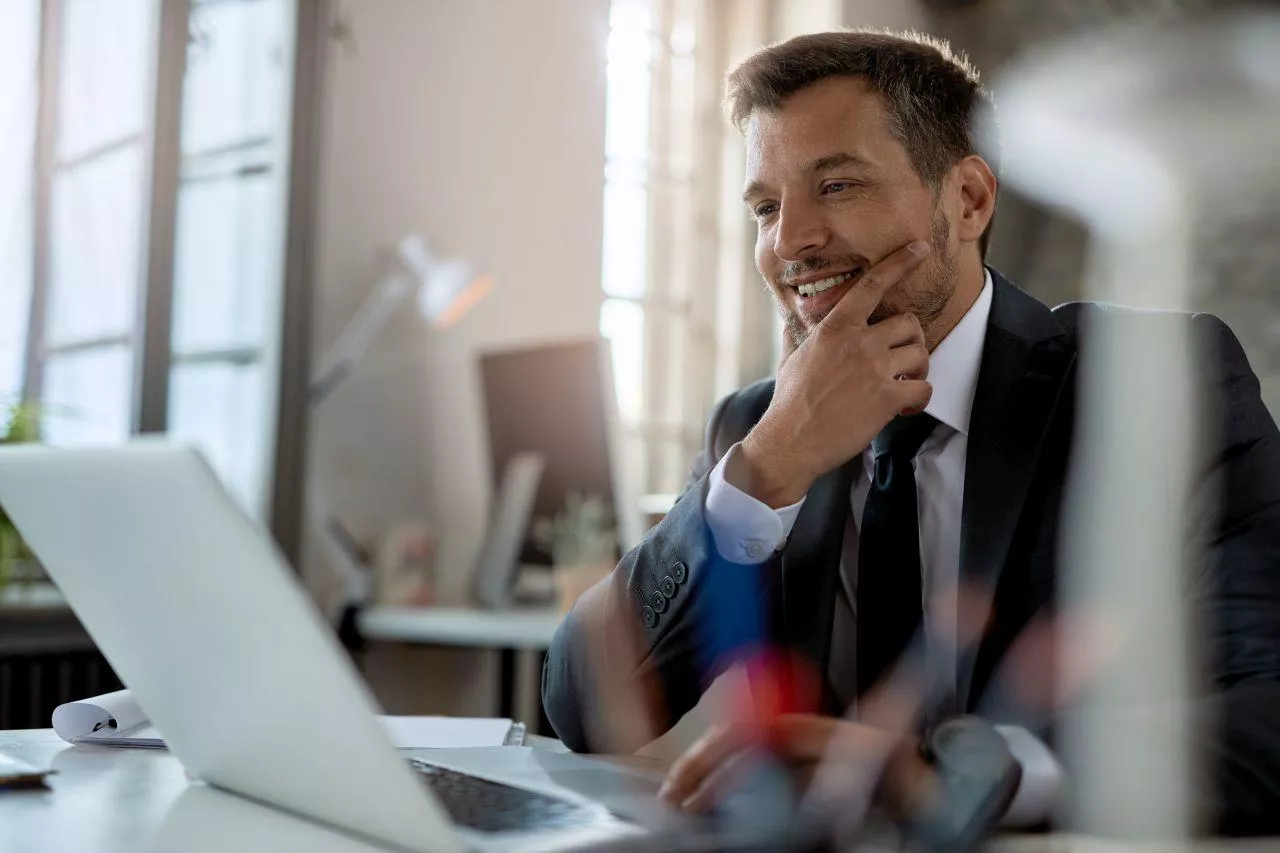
626 215
229 258
651 317
19 81
85 333
684 309
132 206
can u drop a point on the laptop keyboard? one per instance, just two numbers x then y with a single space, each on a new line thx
493 807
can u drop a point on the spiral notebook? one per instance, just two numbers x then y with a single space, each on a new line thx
115 719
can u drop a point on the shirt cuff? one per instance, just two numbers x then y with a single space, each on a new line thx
745 530
1038 792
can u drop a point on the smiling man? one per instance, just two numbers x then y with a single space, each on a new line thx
883 517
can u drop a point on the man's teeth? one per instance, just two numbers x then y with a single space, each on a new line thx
816 287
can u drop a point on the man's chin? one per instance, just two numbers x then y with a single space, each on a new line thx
794 328
800 326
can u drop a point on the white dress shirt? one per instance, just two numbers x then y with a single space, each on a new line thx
747 531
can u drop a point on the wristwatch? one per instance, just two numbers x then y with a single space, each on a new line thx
979 777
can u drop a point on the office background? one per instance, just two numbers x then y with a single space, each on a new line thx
196 196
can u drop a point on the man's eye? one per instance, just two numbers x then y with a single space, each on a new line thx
836 187
766 209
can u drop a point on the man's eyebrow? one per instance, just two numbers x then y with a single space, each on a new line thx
835 161
822 164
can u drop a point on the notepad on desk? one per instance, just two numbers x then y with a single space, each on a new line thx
116 719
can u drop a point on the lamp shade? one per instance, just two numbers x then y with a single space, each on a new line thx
447 289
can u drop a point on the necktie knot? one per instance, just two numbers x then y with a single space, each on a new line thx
903 436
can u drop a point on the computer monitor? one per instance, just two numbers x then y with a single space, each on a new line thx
555 400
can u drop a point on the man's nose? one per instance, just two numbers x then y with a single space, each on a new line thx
800 233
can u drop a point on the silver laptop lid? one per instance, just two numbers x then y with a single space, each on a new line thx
206 623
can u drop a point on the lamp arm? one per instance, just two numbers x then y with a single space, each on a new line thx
359 335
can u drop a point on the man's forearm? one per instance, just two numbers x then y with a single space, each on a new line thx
593 688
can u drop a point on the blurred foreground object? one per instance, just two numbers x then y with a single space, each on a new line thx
1145 135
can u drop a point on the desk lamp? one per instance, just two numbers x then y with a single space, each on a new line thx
445 290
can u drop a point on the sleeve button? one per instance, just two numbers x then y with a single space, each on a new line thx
650 618
657 602
667 586
679 572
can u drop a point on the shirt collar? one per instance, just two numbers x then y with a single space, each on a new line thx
955 362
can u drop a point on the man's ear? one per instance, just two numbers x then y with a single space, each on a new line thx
977 187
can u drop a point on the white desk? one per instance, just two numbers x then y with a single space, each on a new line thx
505 631
495 629
104 800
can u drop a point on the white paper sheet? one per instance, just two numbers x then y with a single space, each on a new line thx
115 719
428 732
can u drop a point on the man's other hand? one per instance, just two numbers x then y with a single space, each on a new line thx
701 777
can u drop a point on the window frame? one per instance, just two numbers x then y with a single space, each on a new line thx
150 340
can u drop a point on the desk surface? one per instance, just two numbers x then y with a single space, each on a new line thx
509 629
105 800
108 800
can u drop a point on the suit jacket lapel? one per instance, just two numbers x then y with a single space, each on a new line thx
1026 358
811 564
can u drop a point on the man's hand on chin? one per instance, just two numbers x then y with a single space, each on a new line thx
837 390
706 773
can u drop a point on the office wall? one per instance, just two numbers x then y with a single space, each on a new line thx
891 14
479 124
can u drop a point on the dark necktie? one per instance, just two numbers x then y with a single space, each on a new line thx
889 585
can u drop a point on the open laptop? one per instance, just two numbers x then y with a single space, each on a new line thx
203 619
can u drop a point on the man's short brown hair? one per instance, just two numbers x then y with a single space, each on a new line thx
930 92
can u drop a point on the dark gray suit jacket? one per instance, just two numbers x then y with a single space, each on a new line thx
661 598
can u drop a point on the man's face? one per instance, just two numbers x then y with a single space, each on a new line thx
833 192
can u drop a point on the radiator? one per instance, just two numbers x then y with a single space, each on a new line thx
32 685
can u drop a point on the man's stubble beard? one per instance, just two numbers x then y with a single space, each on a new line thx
928 303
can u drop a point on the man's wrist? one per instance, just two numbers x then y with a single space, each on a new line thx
767 476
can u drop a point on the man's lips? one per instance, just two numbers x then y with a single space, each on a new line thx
813 296
811 284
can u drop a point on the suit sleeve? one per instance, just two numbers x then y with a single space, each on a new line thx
1238 593
627 661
